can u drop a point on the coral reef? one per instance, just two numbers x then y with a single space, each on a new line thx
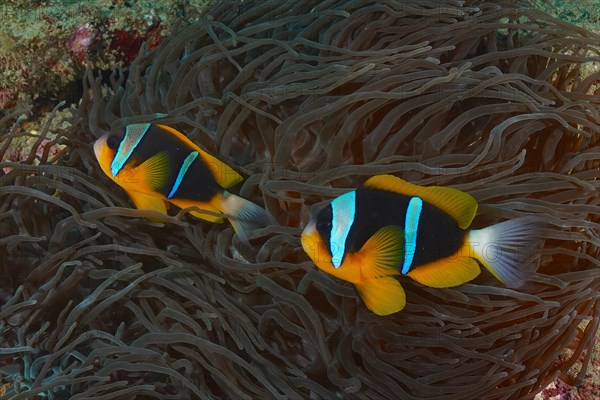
584 13
307 100
45 45
588 389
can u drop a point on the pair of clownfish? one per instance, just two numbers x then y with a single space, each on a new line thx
386 227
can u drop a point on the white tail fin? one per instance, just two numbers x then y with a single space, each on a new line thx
245 215
505 248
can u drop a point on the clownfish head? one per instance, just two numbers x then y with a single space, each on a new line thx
314 243
105 149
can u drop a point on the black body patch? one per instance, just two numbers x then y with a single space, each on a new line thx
198 183
438 235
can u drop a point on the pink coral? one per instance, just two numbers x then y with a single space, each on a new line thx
20 152
123 45
82 40
128 43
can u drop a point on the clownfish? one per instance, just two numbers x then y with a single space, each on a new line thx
158 165
391 227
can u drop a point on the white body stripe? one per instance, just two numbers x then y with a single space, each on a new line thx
411 225
343 210
182 171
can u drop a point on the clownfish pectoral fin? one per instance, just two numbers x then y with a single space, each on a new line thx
382 254
461 206
245 216
145 201
152 173
383 296
448 272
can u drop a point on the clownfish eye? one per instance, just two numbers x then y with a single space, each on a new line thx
324 218
324 227
113 142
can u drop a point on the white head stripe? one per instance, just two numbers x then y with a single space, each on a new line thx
133 135
343 209
411 225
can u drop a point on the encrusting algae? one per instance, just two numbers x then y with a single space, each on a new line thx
307 101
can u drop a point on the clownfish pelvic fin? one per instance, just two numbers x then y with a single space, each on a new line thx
144 201
383 296
376 260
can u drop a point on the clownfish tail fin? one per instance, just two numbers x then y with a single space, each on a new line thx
505 248
245 216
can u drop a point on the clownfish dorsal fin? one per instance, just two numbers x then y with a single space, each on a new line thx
447 272
461 206
382 254
383 296
225 176
153 172
145 201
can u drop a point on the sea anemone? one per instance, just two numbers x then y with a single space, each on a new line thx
307 100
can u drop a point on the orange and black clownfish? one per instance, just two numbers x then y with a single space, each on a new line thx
391 227
158 165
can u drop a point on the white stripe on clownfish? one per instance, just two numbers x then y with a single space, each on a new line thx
343 210
411 226
133 135
182 171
